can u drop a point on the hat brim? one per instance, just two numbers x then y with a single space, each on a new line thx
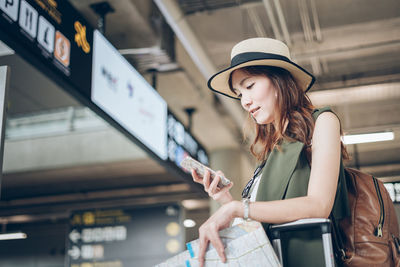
219 81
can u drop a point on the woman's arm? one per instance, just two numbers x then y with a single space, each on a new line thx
320 197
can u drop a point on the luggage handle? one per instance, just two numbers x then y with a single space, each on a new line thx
323 223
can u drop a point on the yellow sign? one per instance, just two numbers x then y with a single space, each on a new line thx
76 220
88 218
52 3
80 37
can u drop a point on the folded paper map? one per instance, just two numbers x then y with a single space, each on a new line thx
246 245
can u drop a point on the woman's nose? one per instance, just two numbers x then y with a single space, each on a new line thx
246 101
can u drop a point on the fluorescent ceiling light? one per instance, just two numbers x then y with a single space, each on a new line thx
189 223
9 236
367 138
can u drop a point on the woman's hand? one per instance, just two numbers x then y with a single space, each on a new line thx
223 195
208 231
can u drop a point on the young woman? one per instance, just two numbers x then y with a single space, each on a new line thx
299 148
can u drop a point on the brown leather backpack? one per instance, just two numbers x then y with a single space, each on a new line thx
370 235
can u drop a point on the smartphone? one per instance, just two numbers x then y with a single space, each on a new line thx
189 163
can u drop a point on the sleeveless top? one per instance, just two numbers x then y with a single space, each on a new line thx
287 172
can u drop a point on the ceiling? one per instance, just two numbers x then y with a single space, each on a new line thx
352 47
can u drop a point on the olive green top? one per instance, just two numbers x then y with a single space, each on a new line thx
287 172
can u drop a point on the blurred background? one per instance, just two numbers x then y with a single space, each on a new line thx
85 189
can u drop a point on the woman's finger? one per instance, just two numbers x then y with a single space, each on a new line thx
202 250
220 173
213 186
206 179
196 177
215 240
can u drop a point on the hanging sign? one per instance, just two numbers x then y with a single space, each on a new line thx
53 33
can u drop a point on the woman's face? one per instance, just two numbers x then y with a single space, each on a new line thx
257 95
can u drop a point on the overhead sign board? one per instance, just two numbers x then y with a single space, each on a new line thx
56 39
124 237
127 97
181 143
53 33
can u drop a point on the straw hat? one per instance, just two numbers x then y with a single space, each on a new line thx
256 52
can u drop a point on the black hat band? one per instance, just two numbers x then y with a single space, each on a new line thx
250 56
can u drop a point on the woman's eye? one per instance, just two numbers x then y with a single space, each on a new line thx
237 93
249 86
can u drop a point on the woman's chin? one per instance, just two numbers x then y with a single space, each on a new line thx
263 121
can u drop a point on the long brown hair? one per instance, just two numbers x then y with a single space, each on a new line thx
292 107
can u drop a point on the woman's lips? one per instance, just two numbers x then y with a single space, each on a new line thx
254 111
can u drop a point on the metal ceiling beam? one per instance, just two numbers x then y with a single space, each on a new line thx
272 19
384 172
182 29
98 195
318 34
176 19
282 21
305 20
350 41
359 94
338 82
308 35
354 51
255 19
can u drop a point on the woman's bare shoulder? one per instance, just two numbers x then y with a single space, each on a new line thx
327 119
327 126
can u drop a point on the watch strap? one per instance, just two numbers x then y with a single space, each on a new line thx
246 203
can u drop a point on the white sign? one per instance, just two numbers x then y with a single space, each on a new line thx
74 236
125 95
74 252
104 234
89 252
28 17
46 34
10 7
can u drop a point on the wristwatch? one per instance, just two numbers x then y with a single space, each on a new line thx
246 203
